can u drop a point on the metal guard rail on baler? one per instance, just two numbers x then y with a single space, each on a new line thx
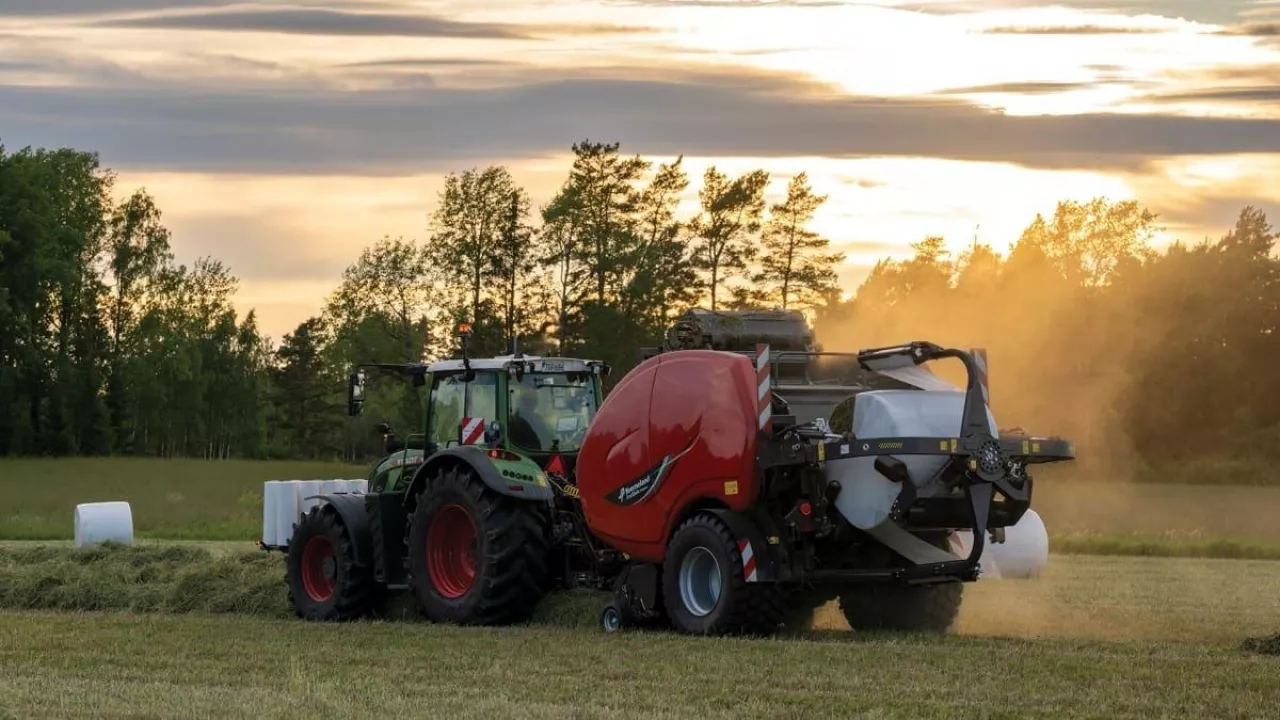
990 461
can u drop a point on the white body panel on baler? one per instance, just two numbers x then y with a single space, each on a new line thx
866 497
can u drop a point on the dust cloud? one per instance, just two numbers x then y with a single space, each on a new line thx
1105 365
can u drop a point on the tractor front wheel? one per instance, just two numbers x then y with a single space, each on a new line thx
476 557
324 581
704 587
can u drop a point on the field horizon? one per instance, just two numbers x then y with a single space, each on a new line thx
221 500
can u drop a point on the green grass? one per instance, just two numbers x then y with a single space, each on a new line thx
1096 637
172 499
1167 545
201 500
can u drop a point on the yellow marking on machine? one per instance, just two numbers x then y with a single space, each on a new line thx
822 452
1026 447
730 487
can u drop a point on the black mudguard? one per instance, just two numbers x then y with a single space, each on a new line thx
355 518
474 456
744 529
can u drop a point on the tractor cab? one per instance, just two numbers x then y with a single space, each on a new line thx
534 407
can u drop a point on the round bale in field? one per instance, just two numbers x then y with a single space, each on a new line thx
100 522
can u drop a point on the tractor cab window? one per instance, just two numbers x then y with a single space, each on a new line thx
453 399
482 397
550 411
447 396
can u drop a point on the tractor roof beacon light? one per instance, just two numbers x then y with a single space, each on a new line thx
464 332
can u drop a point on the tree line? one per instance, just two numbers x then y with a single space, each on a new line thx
108 346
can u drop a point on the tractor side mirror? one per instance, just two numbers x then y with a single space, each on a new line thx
355 394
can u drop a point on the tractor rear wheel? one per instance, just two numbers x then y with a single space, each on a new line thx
704 588
476 557
324 581
911 608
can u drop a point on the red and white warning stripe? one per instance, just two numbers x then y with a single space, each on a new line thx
472 430
764 387
980 360
748 561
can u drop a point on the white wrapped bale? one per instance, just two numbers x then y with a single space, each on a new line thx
1023 554
101 522
866 496
285 501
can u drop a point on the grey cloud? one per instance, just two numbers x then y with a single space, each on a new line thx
699 114
1243 94
55 8
1021 88
416 63
1206 11
93 7
322 21
317 21
1072 30
1215 212
1256 29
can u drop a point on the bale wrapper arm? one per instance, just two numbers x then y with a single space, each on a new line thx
990 462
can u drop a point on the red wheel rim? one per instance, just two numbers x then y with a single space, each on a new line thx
451 545
319 568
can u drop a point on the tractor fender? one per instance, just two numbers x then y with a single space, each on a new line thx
355 518
746 531
474 457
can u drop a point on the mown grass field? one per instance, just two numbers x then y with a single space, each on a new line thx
1094 638
199 625
200 500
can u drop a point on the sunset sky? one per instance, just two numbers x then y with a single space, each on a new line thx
281 137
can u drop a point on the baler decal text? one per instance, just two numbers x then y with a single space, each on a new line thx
646 485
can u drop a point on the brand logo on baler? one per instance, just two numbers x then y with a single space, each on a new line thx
646 485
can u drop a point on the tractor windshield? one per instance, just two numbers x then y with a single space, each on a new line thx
550 411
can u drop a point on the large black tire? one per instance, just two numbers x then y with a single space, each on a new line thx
742 608
476 557
909 608
324 581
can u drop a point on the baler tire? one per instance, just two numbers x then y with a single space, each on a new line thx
510 562
742 608
929 608
352 594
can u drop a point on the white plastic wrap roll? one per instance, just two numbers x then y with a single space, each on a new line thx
306 489
285 501
103 522
278 500
1023 554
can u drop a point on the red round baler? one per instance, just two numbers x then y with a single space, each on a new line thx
679 432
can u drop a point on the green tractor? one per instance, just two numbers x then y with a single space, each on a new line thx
473 515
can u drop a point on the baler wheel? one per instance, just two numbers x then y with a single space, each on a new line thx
476 557
704 588
611 618
929 608
324 581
